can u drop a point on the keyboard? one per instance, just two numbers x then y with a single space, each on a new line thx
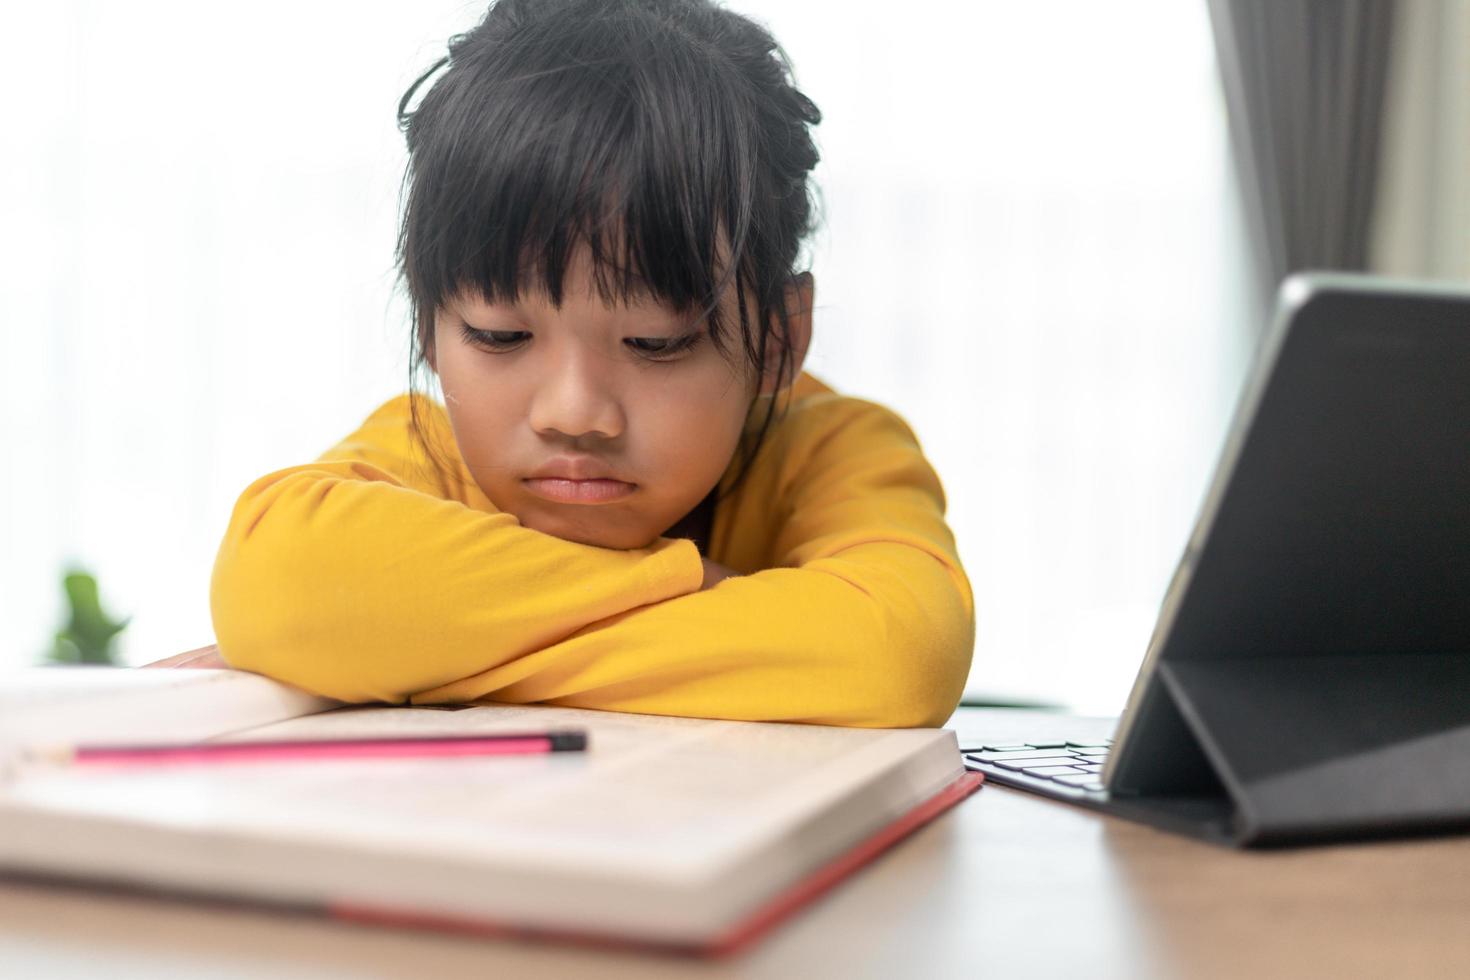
1069 768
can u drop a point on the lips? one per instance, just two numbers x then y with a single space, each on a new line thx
580 491
578 480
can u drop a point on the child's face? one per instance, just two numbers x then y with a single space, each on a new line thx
570 421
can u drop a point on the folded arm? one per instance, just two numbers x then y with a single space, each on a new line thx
877 636
338 579
344 579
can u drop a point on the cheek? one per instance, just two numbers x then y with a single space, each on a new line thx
479 407
697 416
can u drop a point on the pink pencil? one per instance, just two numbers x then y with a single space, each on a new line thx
409 747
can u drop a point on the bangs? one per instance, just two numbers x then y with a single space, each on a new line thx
638 151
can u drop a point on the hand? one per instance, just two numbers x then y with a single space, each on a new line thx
203 657
715 573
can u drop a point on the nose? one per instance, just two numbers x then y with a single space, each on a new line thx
577 399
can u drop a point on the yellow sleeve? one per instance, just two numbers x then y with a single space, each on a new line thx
351 578
867 620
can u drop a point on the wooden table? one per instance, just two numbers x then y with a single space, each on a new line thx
1007 885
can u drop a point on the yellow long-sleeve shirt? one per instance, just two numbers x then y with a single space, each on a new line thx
369 576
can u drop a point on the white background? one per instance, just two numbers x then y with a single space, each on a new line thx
1031 252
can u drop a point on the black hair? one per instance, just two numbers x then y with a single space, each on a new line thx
665 136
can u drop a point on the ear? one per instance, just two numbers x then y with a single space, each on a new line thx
800 295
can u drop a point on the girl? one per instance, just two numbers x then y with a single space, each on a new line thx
631 497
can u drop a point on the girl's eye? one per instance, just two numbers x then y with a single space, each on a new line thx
496 340
649 348
663 348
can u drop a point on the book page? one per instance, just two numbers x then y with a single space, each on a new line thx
65 705
650 791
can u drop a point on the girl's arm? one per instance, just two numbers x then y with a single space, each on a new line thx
350 577
869 621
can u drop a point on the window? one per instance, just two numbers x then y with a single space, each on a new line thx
1031 253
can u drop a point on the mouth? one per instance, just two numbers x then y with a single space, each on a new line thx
565 491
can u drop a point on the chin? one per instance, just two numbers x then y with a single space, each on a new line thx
614 538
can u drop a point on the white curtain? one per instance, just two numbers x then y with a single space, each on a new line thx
1422 228
1031 253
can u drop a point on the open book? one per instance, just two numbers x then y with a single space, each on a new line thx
685 834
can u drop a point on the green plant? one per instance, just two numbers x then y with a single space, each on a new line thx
89 633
